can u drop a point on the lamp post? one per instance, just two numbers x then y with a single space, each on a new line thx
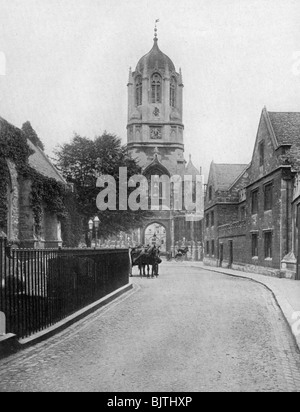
94 223
91 225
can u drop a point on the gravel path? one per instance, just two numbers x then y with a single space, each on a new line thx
189 330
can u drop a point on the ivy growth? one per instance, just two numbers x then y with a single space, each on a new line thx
49 194
3 193
45 192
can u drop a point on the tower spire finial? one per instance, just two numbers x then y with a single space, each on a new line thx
155 30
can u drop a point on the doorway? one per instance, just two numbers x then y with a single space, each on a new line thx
155 234
230 244
221 254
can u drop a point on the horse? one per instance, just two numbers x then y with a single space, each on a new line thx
181 253
136 255
154 260
146 256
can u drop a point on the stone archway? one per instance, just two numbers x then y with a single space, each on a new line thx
156 234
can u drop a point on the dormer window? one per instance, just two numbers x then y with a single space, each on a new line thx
156 82
138 90
173 92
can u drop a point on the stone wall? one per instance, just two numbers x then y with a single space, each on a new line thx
271 161
27 234
51 231
278 221
234 232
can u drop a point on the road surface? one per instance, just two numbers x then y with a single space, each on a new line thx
189 330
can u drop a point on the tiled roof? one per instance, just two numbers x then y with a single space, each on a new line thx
286 126
226 174
38 160
42 164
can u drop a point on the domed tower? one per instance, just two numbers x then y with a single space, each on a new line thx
155 111
155 139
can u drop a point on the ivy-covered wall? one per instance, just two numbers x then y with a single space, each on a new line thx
13 194
36 195
4 173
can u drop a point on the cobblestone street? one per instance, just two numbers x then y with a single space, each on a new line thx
189 330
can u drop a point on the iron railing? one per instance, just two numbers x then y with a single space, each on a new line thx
38 288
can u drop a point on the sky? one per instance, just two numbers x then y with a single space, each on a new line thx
67 64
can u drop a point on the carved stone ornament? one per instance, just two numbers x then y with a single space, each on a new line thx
156 112
136 115
173 132
175 115
138 133
155 133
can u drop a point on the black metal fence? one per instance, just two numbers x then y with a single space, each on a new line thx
38 288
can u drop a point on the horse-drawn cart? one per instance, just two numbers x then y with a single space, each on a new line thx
181 254
145 257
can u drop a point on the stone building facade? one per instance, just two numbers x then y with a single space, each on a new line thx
17 220
155 138
223 203
259 226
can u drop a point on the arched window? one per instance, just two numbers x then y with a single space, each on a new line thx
173 92
156 88
138 90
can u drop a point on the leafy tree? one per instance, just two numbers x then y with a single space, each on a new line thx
32 135
81 162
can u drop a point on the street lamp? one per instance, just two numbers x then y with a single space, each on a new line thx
95 223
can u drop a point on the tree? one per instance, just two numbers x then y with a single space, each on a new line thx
32 135
81 161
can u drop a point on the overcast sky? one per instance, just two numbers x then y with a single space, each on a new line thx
68 61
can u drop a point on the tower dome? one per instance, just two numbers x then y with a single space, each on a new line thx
155 59
155 107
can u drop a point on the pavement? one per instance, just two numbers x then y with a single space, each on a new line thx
285 291
190 330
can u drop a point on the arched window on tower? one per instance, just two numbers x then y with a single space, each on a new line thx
173 92
156 88
138 90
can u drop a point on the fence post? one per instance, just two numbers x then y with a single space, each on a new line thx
8 341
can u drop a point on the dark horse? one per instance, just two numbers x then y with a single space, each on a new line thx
146 256
181 253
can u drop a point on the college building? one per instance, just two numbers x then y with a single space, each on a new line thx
252 211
